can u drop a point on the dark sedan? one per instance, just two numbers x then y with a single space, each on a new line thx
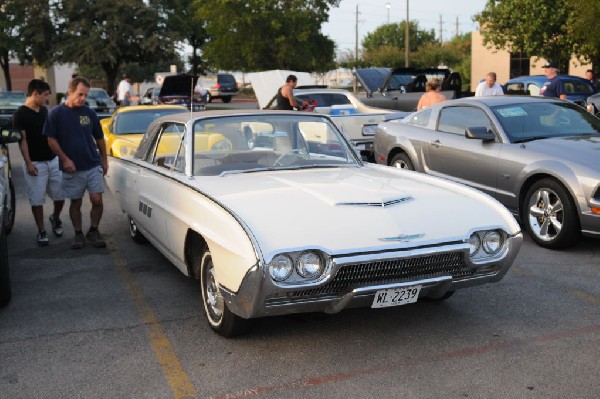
538 156
576 88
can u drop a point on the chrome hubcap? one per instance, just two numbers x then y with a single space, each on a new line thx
546 214
400 165
214 300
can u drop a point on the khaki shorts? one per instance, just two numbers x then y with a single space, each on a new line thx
75 184
47 181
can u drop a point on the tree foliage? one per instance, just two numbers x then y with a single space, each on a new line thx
534 27
251 35
586 41
394 35
111 34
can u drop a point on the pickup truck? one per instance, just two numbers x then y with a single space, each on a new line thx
400 88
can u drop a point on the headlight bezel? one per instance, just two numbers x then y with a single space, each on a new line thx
296 277
491 245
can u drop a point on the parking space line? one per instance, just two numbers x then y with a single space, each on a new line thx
441 357
177 379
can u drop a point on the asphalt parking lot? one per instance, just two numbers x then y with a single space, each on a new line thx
122 322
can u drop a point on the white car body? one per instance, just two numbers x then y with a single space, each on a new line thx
295 204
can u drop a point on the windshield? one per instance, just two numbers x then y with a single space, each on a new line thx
249 143
136 122
12 97
98 94
544 120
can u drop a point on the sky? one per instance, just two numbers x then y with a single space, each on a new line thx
341 27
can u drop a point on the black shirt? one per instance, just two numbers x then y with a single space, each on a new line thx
283 102
33 123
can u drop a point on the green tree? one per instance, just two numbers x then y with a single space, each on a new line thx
531 26
385 45
10 20
111 34
585 15
250 35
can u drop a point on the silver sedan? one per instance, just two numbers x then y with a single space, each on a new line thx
540 157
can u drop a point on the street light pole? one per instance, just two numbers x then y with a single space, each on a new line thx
406 43
388 6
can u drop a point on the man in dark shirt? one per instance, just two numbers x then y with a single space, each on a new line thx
74 134
285 94
554 85
42 174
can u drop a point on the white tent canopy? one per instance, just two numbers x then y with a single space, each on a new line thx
266 83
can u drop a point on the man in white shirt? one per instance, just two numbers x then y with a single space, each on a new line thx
489 87
201 92
124 92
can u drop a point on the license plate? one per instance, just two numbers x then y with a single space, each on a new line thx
396 296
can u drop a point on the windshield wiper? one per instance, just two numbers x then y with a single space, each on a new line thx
527 139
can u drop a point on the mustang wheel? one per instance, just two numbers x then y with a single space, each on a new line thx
402 161
550 215
5 291
220 318
135 233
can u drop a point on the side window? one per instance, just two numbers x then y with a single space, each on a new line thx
515 88
421 118
533 90
169 148
456 120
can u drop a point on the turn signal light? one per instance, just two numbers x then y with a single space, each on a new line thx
596 211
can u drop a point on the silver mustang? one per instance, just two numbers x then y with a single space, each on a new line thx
540 157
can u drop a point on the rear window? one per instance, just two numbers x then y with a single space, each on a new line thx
226 79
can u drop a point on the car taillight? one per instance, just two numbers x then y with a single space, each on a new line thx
218 86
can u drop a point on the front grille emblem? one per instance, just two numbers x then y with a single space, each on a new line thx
403 237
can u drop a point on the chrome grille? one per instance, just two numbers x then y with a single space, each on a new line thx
357 275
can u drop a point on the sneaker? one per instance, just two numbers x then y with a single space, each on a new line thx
78 241
42 239
57 228
94 237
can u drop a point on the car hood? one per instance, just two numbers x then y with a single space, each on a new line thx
349 210
178 85
581 149
265 84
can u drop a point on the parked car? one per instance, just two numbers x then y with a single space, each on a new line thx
125 128
150 97
400 89
282 217
355 119
577 89
536 155
179 90
593 102
99 100
223 86
7 210
10 101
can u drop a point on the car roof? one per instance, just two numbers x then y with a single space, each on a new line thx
492 101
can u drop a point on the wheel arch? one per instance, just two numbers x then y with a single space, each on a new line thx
194 246
534 178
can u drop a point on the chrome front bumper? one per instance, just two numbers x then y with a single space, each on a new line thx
437 270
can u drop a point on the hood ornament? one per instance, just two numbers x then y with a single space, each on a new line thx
403 237
378 204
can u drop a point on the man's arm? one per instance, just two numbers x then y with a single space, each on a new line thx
31 169
68 165
101 144
288 93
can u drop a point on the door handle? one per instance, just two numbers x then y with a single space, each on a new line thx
436 144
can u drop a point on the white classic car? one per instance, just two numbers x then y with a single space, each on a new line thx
274 213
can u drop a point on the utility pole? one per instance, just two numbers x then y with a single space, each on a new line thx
441 32
456 27
406 42
354 82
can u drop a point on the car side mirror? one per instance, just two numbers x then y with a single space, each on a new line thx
10 135
480 133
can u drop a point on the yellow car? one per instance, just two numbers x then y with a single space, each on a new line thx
127 125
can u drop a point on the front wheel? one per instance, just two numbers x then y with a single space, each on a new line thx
135 234
402 161
550 215
219 317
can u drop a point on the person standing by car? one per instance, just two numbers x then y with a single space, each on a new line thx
554 86
432 94
124 91
285 94
591 76
489 87
74 134
201 92
42 174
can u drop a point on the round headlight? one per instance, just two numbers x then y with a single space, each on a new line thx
281 267
492 242
222 145
474 244
310 265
